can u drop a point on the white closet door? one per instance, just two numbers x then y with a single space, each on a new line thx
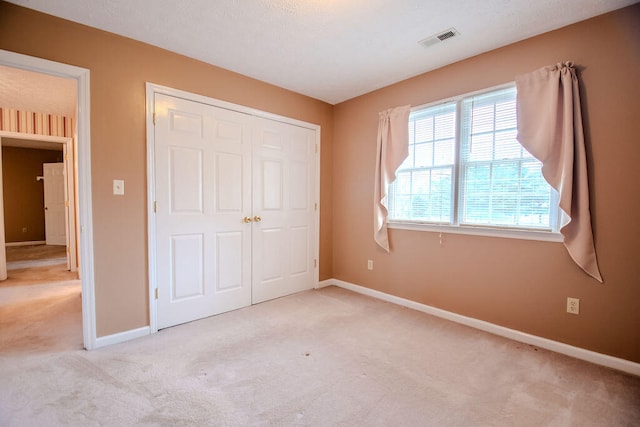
203 192
283 209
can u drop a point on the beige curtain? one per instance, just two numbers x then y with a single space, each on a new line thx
393 148
550 128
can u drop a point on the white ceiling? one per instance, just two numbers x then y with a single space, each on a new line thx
332 50
35 92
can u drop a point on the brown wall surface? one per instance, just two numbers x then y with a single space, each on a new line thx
23 195
515 283
119 68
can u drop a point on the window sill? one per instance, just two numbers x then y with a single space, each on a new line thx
543 236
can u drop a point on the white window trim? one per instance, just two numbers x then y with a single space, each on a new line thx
479 230
522 234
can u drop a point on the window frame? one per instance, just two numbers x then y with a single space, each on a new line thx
523 233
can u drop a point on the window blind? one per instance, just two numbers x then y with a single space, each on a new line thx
501 184
466 168
423 190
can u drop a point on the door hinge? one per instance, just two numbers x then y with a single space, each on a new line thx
154 118
316 148
66 157
156 293
315 206
315 263
66 203
155 207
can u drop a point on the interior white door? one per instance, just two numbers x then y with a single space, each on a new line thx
203 193
283 208
55 219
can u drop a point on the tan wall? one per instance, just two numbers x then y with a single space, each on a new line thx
516 283
23 195
119 69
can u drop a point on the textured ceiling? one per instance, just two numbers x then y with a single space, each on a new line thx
41 93
332 50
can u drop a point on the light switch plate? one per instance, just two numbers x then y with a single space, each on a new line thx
118 187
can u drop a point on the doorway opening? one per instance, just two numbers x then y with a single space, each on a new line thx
41 294
39 193
77 219
236 222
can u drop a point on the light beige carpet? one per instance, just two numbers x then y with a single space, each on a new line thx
318 358
21 257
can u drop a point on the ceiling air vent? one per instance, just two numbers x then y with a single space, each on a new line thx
440 37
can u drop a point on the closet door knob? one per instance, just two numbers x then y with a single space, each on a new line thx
246 219
257 218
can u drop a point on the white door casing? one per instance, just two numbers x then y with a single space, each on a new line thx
83 138
216 243
55 211
70 208
70 191
3 250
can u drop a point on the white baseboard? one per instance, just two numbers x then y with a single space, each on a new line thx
569 350
325 283
122 337
36 242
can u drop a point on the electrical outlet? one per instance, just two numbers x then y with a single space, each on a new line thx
573 305
370 264
24 229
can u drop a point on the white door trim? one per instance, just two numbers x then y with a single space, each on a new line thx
151 90
70 179
85 223
3 250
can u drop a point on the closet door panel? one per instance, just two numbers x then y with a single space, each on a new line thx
283 164
203 192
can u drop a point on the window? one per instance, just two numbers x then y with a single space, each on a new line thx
466 170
